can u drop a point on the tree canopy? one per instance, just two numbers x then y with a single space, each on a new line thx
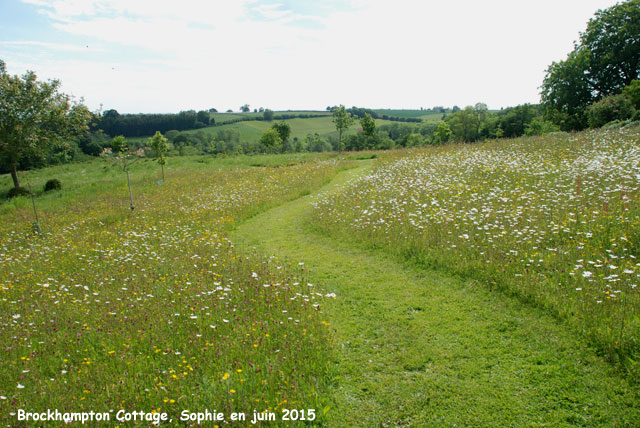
605 61
33 116
283 129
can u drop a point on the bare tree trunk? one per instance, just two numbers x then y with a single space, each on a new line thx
14 176
130 194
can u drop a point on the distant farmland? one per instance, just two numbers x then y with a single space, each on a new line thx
251 130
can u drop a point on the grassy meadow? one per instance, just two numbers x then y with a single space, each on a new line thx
154 309
228 117
425 115
300 128
489 284
553 220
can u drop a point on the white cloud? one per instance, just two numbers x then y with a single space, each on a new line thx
372 53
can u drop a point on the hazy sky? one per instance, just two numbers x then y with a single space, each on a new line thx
166 56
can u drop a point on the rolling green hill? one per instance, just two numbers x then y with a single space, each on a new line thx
251 130
232 117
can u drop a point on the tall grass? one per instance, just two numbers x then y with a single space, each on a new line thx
554 220
154 309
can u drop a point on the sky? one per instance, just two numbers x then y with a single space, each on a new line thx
154 56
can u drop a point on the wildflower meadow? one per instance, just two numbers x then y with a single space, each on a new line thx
154 308
553 220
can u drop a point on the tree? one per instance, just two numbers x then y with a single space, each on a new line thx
343 120
245 108
465 124
368 125
613 39
566 91
203 117
34 116
271 139
268 115
119 145
120 153
442 133
159 143
605 61
283 129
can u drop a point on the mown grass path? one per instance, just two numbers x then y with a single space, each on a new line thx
418 348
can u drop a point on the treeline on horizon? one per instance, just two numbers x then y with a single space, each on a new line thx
146 124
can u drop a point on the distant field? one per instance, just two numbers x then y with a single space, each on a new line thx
229 117
251 130
410 114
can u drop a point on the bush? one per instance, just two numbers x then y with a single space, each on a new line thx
53 184
18 191
608 109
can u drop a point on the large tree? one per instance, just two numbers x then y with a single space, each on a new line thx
605 61
613 39
33 116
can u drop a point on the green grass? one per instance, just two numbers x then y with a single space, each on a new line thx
154 309
300 128
251 130
420 348
314 303
552 220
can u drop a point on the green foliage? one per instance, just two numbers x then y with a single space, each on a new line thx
632 91
368 125
34 115
283 129
465 124
52 184
514 121
119 145
566 91
159 144
314 143
605 61
203 117
442 133
271 140
608 109
613 41
267 115
539 126
139 125
414 140
18 191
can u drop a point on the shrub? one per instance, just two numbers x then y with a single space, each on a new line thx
18 191
53 184
608 109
